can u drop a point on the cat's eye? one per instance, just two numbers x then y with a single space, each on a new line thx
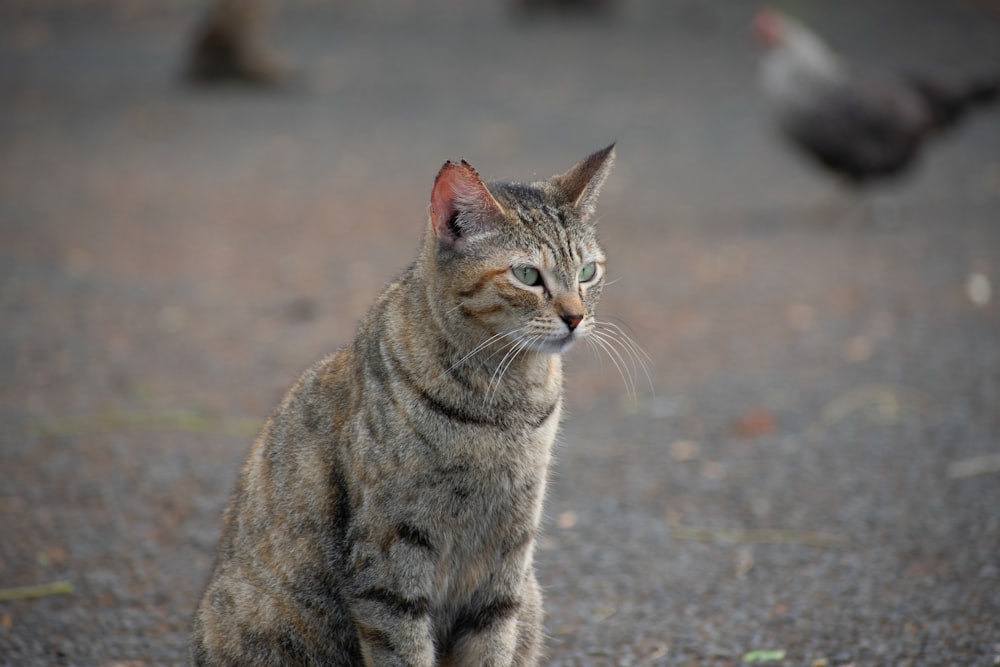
587 272
528 275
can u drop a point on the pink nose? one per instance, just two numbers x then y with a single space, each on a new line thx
572 320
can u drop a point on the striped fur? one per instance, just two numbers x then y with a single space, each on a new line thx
387 512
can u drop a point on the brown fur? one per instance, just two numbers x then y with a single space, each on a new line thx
387 513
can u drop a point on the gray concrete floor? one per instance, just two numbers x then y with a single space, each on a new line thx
172 258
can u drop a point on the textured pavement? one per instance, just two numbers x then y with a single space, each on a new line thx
808 476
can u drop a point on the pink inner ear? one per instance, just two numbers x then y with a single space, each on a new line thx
458 188
443 203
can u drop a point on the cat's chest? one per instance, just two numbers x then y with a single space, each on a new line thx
487 511
480 481
493 477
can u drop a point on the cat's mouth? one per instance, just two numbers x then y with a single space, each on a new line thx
560 343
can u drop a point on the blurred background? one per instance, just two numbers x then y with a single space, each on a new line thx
810 475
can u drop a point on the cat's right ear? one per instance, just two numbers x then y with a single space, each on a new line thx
582 183
461 205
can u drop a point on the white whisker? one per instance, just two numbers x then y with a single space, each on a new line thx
482 346
520 345
617 360
625 338
615 338
514 341
476 349
497 372
594 350
638 355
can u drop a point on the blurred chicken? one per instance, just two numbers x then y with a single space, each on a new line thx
860 129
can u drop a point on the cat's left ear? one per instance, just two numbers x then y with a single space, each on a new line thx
582 183
461 205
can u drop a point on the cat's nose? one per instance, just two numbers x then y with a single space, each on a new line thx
572 320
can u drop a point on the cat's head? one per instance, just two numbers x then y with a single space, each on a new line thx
519 262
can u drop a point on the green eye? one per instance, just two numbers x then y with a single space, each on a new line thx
587 272
527 275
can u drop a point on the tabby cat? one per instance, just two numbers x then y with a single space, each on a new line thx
387 513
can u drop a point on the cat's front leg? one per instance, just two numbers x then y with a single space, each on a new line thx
501 627
387 642
391 597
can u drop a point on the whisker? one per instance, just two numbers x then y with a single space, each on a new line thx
617 360
497 372
594 350
486 343
516 340
505 364
483 345
626 336
494 384
613 336
598 349
513 349
639 356
606 341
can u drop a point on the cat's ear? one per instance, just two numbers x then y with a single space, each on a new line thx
461 205
582 183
